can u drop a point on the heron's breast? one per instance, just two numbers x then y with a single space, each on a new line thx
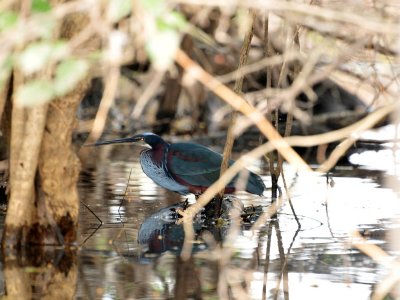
156 171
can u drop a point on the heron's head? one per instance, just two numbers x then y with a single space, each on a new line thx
151 139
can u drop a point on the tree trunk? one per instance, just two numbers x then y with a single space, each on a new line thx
43 203
59 168
27 126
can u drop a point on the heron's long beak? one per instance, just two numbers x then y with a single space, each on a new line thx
117 141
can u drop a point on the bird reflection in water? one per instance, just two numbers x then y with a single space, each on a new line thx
162 231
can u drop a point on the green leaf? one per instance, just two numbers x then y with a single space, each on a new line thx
37 55
161 48
117 9
7 20
172 19
68 75
34 57
40 6
156 7
35 92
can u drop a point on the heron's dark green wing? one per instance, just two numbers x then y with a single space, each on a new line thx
195 164
192 159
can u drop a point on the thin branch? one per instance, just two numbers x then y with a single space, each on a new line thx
260 65
230 137
241 105
372 24
147 94
110 91
306 141
337 153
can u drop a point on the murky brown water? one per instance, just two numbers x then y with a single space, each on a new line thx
280 261
134 253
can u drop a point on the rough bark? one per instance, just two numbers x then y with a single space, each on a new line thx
4 91
43 202
59 168
22 172
58 200
17 128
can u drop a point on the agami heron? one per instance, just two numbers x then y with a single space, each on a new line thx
184 168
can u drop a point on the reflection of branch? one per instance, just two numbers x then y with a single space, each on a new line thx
125 194
267 260
285 268
97 228
93 213
120 216
282 257
90 235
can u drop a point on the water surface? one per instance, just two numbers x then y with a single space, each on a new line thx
277 261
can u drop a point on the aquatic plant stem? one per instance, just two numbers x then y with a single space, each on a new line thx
230 138
289 198
270 156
